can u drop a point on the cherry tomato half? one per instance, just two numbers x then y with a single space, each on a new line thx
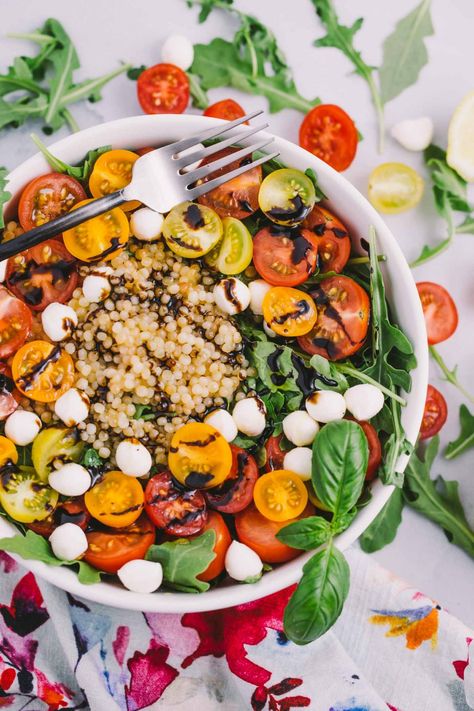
99 239
330 134
42 371
375 449
23 496
275 454
111 548
48 197
68 511
334 243
199 456
163 89
8 452
285 258
42 274
435 414
343 319
289 312
236 492
9 395
15 323
227 109
216 523
280 495
395 187
116 500
113 171
192 230
286 196
233 253
237 197
177 511
439 309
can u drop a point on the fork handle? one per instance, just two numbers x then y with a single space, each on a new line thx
60 224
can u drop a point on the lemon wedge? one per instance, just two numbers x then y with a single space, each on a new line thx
460 154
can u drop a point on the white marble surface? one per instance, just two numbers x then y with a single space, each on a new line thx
106 32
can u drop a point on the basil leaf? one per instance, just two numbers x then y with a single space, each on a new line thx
383 528
306 534
183 560
319 598
82 171
465 440
4 194
340 456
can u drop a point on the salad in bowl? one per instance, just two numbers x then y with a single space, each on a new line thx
190 400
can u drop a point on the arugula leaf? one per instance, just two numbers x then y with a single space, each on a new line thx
32 546
134 72
183 560
144 412
311 174
466 227
199 97
383 528
4 194
450 375
465 439
306 534
328 375
394 445
93 462
207 6
82 171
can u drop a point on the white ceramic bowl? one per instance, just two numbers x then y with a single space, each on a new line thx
356 212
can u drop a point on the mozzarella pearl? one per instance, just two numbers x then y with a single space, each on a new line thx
72 407
58 321
249 416
364 401
70 480
223 423
231 296
326 405
68 541
96 288
258 289
178 50
241 562
146 224
133 458
3 269
22 427
141 576
414 134
300 428
298 460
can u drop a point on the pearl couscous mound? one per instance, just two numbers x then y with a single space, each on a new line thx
157 345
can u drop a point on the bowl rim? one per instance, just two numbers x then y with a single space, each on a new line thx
72 148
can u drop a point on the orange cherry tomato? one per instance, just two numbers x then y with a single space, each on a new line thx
334 243
42 371
113 171
199 456
15 323
9 395
285 257
227 109
99 239
289 312
223 541
435 414
116 500
109 549
47 197
280 495
439 309
163 89
330 134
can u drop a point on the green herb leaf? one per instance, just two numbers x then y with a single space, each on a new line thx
328 375
451 376
319 598
465 440
306 534
466 227
82 171
4 194
394 445
134 72
383 528
199 97
311 174
183 560
64 61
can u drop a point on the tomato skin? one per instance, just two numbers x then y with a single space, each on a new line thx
227 109
216 523
435 414
16 322
288 311
163 89
330 134
100 238
375 449
143 151
9 395
177 511
42 275
52 380
116 500
334 243
110 548
439 310
285 257
113 171
236 492
339 299
199 457
68 511
275 455
280 495
47 189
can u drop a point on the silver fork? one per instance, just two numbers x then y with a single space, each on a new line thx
159 180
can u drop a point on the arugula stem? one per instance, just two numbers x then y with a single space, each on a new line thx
450 375
199 96
253 54
428 253
366 260
73 125
379 110
87 88
359 375
37 37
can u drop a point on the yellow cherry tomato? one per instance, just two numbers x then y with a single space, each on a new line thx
314 499
287 196
233 253
395 187
99 239
25 497
113 171
192 230
289 312
116 500
8 451
42 371
55 443
280 495
199 457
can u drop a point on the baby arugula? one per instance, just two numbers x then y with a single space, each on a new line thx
82 171
465 440
450 375
183 560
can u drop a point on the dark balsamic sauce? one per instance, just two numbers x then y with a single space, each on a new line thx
27 381
302 308
193 217
229 288
114 245
197 480
296 213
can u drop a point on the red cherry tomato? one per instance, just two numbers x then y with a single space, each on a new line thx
68 511
15 323
375 450
223 541
163 89
285 257
175 510
48 197
236 492
334 243
330 134
275 455
110 548
9 395
439 309
227 109
146 149
435 414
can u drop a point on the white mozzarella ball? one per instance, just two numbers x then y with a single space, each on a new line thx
223 423
58 321
300 428
22 427
3 269
241 562
326 405
269 331
141 576
72 407
249 416
178 50
298 460
68 541
414 134
133 458
231 296
70 480
146 224
364 401
95 288
258 289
